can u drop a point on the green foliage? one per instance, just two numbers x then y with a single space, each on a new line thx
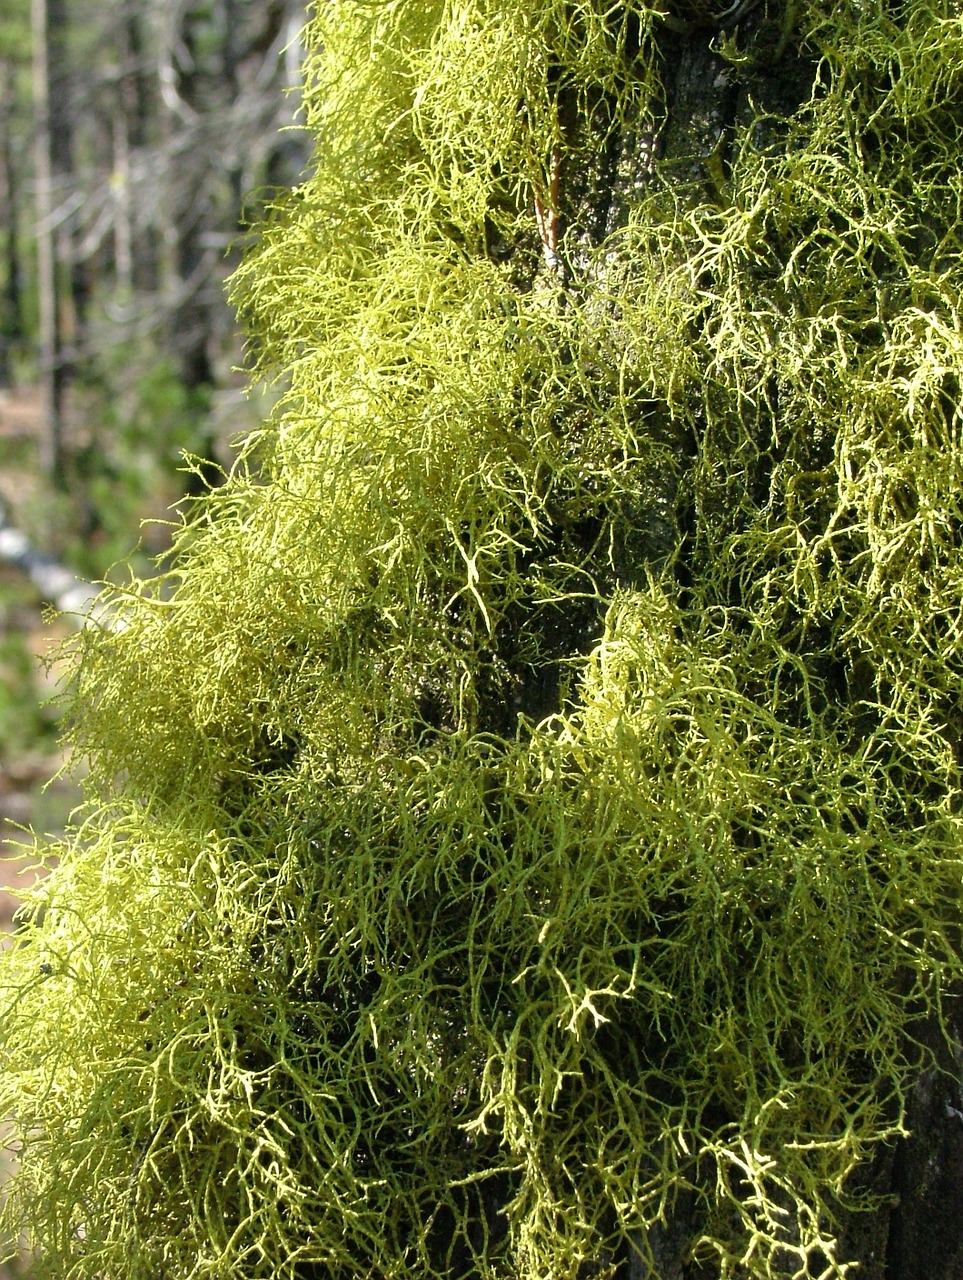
15 32
25 724
130 468
535 799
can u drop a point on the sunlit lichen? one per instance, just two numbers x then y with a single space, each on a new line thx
534 801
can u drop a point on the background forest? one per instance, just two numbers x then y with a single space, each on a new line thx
136 138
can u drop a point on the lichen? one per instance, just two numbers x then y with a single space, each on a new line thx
531 802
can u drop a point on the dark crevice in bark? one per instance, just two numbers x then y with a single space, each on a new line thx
924 1241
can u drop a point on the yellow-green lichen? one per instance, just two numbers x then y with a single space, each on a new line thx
531 805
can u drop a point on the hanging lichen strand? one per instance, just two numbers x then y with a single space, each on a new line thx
531 805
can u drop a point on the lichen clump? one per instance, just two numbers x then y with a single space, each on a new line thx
529 812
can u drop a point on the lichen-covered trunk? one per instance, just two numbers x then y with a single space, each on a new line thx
525 834
709 100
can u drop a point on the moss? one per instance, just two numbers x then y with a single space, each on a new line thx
532 801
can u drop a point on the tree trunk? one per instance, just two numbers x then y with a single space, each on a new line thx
11 305
136 112
52 368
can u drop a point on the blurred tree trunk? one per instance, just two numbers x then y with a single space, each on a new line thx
52 370
199 85
135 247
11 302
74 289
